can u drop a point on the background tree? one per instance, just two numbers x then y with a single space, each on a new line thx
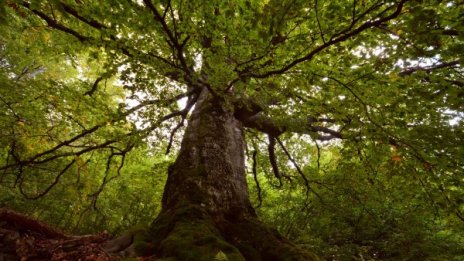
376 84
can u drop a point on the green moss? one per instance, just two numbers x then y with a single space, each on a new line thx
197 240
261 242
190 234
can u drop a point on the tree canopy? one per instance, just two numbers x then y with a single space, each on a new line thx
353 112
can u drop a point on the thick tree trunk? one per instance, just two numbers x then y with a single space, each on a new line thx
210 169
207 214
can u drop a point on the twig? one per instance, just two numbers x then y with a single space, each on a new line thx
94 86
57 179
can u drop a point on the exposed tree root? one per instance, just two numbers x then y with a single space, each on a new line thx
23 238
191 234
185 234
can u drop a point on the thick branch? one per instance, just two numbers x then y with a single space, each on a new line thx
267 125
52 23
273 159
95 24
255 177
171 36
123 48
427 69
94 86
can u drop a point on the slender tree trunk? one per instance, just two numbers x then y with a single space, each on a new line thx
207 214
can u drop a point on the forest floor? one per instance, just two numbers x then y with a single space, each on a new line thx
24 238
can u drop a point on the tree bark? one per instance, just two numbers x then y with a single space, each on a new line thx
206 213
210 169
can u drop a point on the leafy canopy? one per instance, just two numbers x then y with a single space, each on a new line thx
334 95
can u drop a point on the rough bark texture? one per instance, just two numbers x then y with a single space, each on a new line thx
210 171
206 212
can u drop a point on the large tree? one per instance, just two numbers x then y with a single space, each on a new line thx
253 75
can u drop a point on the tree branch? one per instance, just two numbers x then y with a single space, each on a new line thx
123 48
57 179
302 175
106 179
332 41
267 125
273 160
50 153
184 113
427 69
255 177
171 37
94 86
93 23
52 23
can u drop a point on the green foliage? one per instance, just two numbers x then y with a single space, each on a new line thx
367 208
88 104
131 198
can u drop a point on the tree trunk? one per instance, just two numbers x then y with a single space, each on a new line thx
210 169
207 214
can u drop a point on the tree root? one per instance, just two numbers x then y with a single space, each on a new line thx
191 234
24 238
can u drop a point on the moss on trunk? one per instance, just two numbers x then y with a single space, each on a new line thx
190 233
207 214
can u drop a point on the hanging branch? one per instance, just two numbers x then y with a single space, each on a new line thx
255 177
303 176
57 179
94 196
106 179
80 167
273 160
